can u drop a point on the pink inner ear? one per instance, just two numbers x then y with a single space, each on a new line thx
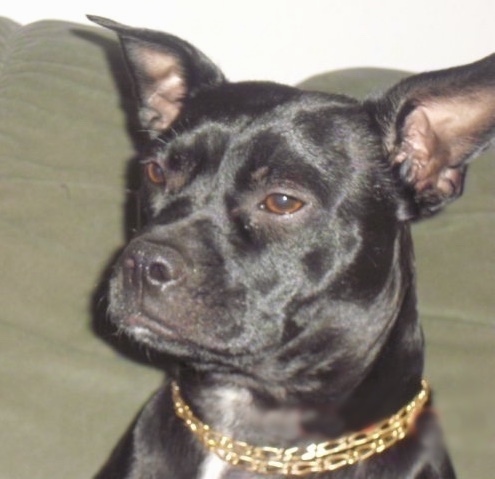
163 90
439 135
420 149
459 123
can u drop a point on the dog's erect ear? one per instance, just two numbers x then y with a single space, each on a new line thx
166 72
433 125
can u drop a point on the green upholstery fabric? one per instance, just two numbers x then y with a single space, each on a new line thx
65 395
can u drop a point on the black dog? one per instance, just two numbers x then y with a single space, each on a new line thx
276 268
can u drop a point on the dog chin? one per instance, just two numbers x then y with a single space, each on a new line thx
146 330
141 322
156 333
159 338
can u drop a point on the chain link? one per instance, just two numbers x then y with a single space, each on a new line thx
296 461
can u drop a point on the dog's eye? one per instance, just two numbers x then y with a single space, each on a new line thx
154 172
281 204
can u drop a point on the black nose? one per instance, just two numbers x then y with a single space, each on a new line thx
152 264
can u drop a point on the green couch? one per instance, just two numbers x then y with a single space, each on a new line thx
66 395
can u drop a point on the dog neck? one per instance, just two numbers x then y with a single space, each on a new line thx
236 411
264 415
314 457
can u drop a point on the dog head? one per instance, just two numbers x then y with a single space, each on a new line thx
277 243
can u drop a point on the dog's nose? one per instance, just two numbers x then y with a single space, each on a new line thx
152 263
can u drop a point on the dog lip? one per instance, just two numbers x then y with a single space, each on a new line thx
139 321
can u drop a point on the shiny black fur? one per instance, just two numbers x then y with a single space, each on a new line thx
285 329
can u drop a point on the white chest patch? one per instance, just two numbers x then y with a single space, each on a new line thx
212 468
227 404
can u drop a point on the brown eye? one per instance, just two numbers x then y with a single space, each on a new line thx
281 204
154 172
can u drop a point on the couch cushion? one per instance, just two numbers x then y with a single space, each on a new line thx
67 396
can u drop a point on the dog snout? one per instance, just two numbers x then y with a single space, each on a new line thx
152 264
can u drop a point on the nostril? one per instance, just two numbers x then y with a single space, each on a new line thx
159 273
151 264
129 262
130 269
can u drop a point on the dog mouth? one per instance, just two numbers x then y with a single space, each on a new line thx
191 312
148 278
146 328
147 315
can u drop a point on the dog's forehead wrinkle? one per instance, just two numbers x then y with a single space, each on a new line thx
204 194
269 160
331 165
235 143
282 115
346 130
202 144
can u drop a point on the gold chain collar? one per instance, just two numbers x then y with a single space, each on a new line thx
297 461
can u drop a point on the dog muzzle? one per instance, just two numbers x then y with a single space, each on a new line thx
300 461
